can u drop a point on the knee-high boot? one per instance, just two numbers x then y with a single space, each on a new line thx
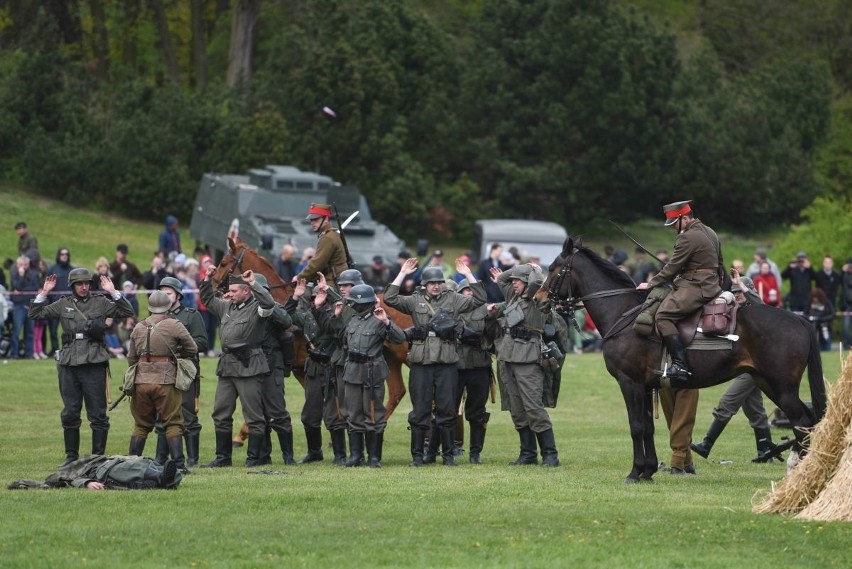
313 436
547 444
162 449
477 441
99 441
72 446
285 441
374 449
528 454
356 449
137 446
223 451
703 448
191 442
417 438
256 443
175 445
338 445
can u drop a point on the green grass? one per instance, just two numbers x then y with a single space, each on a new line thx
318 515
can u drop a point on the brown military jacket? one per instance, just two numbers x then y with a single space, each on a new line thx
694 266
330 258
167 335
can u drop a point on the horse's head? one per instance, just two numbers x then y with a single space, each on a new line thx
240 258
230 264
557 286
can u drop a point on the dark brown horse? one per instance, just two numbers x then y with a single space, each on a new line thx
240 257
775 346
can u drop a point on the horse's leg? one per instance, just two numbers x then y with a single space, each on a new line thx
635 396
396 387
651 462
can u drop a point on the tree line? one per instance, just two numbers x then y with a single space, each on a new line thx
566 110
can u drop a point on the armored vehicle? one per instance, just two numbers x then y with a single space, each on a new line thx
267 208
542 239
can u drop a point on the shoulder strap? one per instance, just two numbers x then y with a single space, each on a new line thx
161 336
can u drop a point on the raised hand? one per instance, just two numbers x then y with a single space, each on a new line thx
107 285
494 272
248 277
301 287
49 284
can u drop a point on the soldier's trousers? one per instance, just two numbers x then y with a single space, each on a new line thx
477 383
524 384
251 400
84 383
152 400
742 392
191 425
679 407
274 405
363 404
323 396
433 382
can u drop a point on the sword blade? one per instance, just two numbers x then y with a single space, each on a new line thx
349 220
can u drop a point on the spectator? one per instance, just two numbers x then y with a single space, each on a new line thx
846 301
767 287
128 289
820 313
170 237
759 257
285 264
828 279
152 277
483 275
101 268
801 274
124 331
377 275
190 284
210 321
437 260
458 277
25 285
122 269
61 269
307 255
112 340
27 244
651 268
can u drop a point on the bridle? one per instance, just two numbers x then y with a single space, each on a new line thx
237 266
569 304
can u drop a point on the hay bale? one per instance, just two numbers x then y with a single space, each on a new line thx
828 445
834 503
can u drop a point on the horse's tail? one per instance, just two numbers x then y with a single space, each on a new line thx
815 378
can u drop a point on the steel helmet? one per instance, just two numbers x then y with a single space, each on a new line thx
159 302
79 276
173 284
463 284
261 280
450 284
432 275
350 277
522 273
362 294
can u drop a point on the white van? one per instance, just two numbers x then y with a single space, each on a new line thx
542 239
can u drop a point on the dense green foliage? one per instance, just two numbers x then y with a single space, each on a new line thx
569 110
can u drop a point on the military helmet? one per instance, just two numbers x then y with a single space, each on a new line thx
362 294
79 276
432 275
463 284
350 277
159 302
261 280
450 284
522 273
173 284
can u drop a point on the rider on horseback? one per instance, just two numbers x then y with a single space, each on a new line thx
695 273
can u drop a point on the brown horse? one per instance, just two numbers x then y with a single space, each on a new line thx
774 346
240 257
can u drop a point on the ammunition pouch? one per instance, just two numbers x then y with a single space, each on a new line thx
443 325
417 333
522 333
95 329
549 332
359 358
319 356
470 337
240 351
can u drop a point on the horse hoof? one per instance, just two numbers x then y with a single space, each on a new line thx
631 480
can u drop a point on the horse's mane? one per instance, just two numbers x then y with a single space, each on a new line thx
607 267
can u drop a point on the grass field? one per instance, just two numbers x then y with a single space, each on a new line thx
317 515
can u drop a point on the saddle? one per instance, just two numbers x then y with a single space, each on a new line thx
716 318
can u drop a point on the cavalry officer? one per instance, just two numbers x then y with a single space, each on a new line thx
695 273
193 322
330 258
519 356
434 355
242 313
154 344
83 360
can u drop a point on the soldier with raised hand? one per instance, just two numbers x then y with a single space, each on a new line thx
434 355
330 256
83 360
241 311
155 343
193 322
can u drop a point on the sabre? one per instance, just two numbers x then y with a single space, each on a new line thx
637 242
117 401
341 226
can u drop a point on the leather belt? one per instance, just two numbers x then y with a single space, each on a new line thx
700 271
155 359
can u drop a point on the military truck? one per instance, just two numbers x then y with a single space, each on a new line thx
542 239
267 208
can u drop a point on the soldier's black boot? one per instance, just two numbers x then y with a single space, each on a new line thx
256 442
338 445
164 476
477 441
547 444
703 448
223 451
374 449
162 449
137 446
448 446
265 449
765 446
430 453
191 442
356 449
417 438
678 373
99 440
285 441
314 438
175 445
528 454
72 446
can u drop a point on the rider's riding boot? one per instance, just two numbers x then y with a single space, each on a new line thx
162 449
137 445
678 373
72 446
356 449
528 453
314 439
99 441
447 445
417 437
765 446
703 448
191 442
547 444
338 445
223 451
477 441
